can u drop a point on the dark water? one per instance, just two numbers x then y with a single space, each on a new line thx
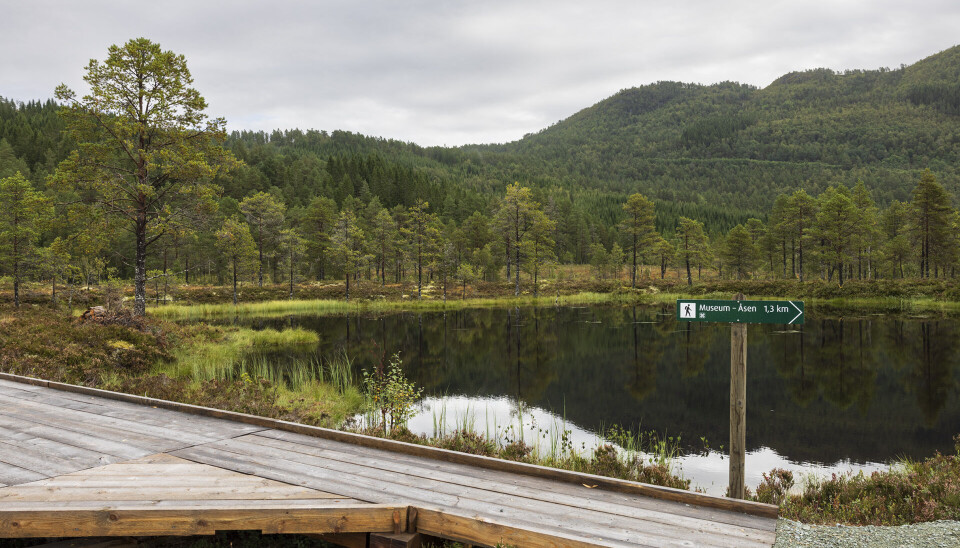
864 389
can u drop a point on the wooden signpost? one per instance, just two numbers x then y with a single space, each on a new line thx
739 313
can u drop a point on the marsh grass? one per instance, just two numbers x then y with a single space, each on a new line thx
279 309
644 456
220 350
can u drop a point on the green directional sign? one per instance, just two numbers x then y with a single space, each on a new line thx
700 310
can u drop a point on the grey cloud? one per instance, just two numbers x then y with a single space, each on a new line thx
440 72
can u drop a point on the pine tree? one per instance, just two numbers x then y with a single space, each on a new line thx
265 214
864 230
692 243
236 243
24 212
639 228
739 253
836 225
515 217
146 150
798 220
317 226
422 235
347 246
931 221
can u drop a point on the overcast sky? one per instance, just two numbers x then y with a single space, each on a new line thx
448 72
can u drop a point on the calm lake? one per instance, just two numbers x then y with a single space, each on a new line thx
836 394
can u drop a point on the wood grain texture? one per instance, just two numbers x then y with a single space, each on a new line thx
196 470
612 484
738 409
197 521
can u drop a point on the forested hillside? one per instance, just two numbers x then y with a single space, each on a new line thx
720 154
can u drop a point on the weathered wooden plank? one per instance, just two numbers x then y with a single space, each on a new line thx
491 502
490 532
78 455
177 504
611 484
109 494
405 475
587 496
154 522
533 488
92 543
15 475
150 443
35 460
71 481
396 488
196 424
112 422
84 440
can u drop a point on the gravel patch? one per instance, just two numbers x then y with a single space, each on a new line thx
935 534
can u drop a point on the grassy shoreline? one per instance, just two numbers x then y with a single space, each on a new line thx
282 308
216 366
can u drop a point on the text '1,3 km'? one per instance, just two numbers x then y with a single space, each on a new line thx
782 312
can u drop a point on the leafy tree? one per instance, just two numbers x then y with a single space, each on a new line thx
617 260
55 262
515 216
146 151
836 223
265 213
864 229
538 246
777 235
931 220
445 264
318 222
691 243
639 227
347 246
894 226
24 212
664 251
798 219
383 236
422 235
10 164
293 247
599 260
236 243
464 275
738 251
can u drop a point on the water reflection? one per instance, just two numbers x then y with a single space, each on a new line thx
838 390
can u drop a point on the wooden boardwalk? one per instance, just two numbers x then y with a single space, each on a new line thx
82 462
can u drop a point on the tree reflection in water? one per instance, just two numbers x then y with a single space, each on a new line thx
866 389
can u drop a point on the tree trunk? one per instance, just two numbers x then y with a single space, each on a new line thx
16 282
800 260
234 281
689 276
536 271
633 272
516 244
260 247
140 268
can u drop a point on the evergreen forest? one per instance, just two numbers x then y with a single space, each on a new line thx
821 174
